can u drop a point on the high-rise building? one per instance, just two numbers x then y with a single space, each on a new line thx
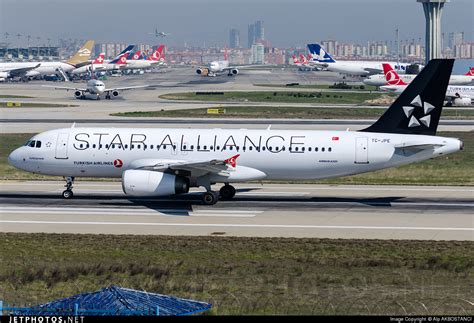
259 30
234 38
258 54
251 35
455 39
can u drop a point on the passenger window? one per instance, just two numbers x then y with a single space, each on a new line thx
80 146
250 148
144 146
151 146
138 146
309 148
93 145
174 146
107 146
192 147
184 147
205 147
38 144
322 149
316 149
113 146
263 148
329 149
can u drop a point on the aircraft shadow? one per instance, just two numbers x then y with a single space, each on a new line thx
182 205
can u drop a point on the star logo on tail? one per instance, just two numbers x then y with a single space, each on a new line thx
427 108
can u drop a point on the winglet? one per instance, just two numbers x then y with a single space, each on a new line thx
232 161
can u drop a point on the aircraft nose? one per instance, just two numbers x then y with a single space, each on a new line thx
15 158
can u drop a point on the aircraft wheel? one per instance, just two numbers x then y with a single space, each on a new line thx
67 194
227 192
210 198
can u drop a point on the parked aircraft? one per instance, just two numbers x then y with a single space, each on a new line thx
26 70
358 68
379 79
159 162
455 95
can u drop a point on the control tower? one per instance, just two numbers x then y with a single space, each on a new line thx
433 10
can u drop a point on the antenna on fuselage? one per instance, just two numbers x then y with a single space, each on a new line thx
269 127
73 125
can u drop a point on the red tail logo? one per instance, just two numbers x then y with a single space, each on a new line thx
157 53
391 76
122 60
471 72
137 55
232 161
99 60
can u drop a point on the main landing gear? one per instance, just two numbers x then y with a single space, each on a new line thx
67 194
226 192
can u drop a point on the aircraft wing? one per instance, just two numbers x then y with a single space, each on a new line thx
66 88
127 88
20 71
195 168
373 71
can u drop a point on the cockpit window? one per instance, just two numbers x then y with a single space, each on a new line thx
33 143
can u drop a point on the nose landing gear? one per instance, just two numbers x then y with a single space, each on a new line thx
67 194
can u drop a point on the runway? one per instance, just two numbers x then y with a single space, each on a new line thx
269 210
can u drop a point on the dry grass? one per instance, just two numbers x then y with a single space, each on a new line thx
246 275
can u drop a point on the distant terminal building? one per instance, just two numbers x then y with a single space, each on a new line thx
234 38
29 53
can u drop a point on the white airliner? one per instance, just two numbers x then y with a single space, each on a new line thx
32 69
380 80
217 67
162 162
357 68
96 88
455 95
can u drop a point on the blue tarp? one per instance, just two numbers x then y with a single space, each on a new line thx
116 300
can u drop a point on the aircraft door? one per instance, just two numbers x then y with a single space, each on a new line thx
61 146
362 150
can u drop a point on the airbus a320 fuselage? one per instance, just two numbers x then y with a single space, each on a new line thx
162 162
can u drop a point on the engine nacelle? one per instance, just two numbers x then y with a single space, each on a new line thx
115 93
202 71
462 101
149 183
78 94
234 71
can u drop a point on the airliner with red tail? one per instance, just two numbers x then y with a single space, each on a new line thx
455 95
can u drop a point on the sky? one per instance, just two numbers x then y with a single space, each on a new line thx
207 22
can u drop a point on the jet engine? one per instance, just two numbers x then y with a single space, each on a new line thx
462 101
202 71
151 183
115 93
78 94
234 71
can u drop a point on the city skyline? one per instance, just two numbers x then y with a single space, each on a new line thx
286 25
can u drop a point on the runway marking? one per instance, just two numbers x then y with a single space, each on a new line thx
132 211
292 226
